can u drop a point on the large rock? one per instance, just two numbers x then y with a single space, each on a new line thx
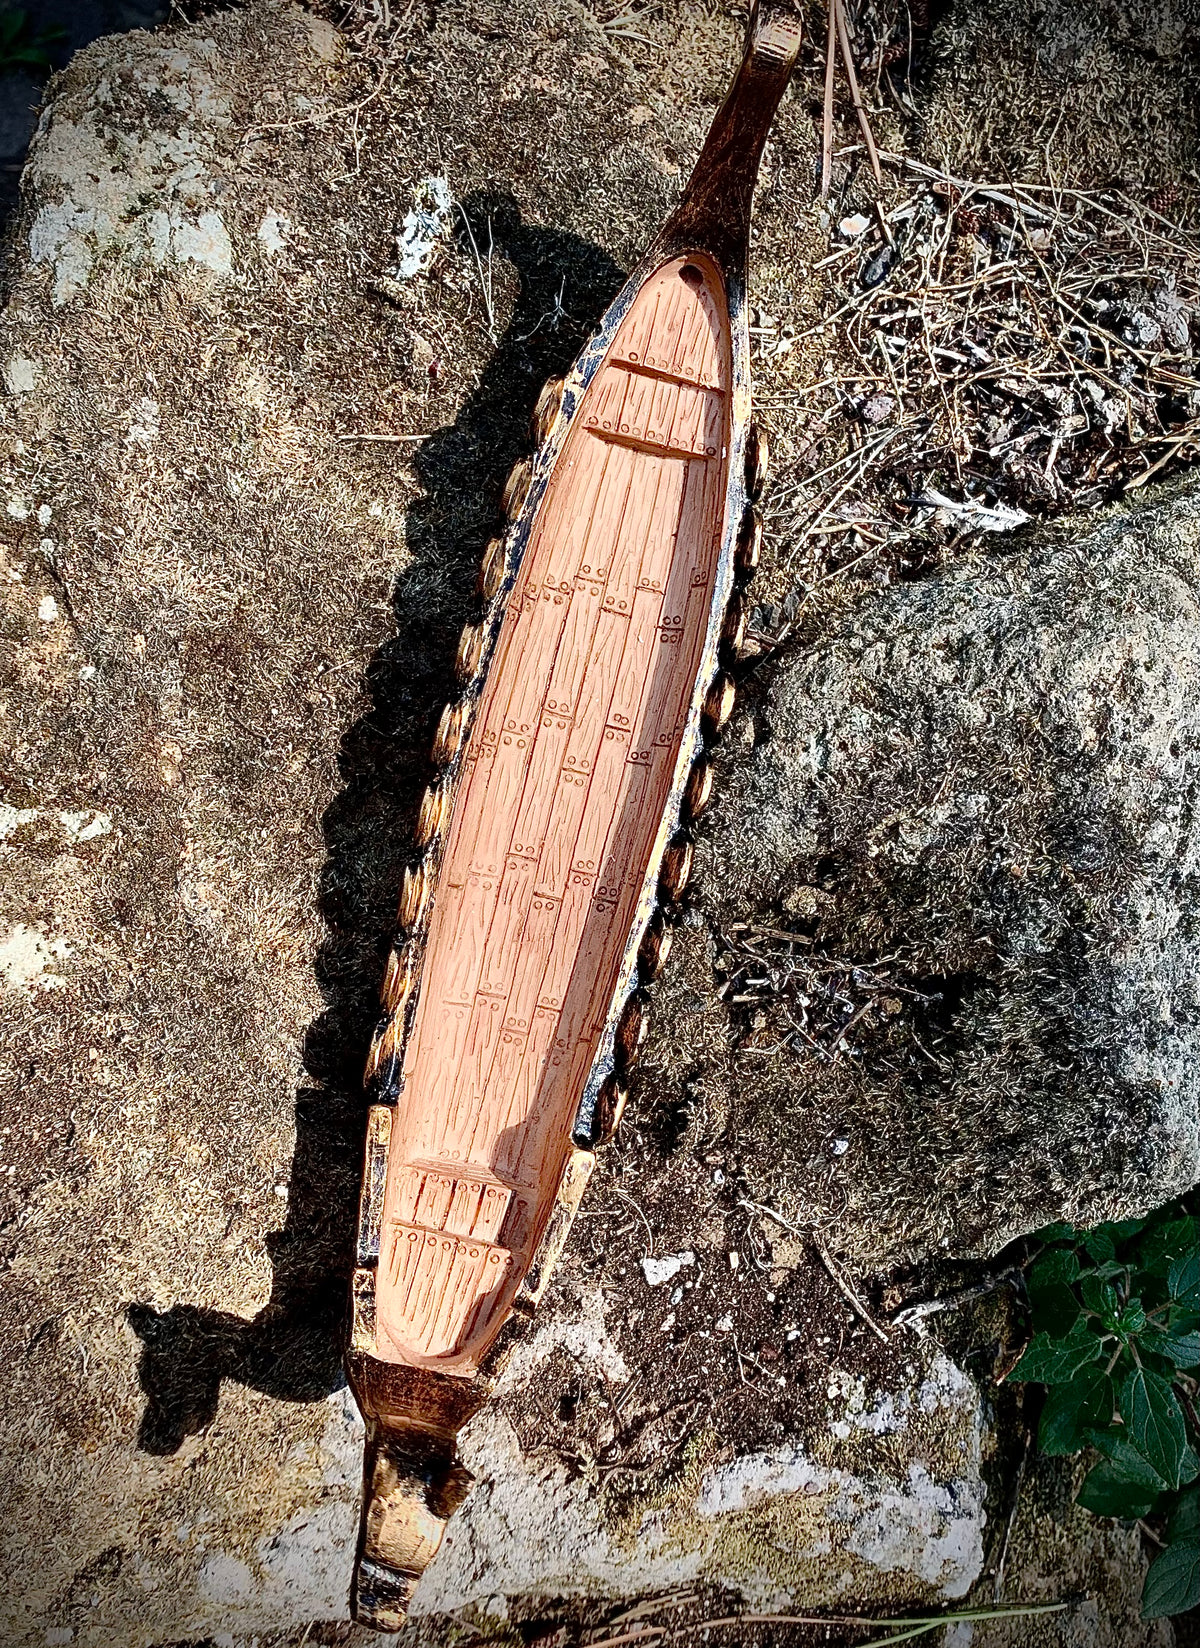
974 799
230 621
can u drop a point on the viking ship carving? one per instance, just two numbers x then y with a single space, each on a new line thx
555 839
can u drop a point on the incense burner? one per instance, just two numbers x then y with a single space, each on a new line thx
554 840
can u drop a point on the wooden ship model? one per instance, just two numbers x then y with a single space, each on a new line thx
556 834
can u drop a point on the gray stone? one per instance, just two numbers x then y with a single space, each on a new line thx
982 787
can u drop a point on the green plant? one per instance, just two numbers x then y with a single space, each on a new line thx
1116 1319
20 46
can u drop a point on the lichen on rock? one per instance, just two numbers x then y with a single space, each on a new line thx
819 1520
130 164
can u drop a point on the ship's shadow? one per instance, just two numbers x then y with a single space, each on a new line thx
292 1348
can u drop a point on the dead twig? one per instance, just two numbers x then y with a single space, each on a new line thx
827 112
836 1275
911 1625
860 107
383 437
909 1316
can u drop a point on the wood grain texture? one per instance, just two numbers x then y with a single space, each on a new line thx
567 774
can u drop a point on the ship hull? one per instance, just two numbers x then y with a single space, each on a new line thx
571 770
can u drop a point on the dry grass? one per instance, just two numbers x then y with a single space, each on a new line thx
994 354
822 999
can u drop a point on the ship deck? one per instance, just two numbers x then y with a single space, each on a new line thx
567 773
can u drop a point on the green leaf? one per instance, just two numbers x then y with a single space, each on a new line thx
1098 1244
1055 1311
1155 1422
1122 1229
1160 1244
1185 1516
1052 1300
1183 1279
1132 1318
1100 1297
1057 1361
1071 1410
1129 1461
1107 1491
1173 1582
1058 1264
1055 1233
1183 1349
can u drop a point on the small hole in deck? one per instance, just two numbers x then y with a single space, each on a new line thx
693 276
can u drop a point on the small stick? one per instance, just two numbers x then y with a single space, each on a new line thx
827 116
625 1196
908 1315
1190 434
483 283
846 1290
860 107
823 1254
923 1624
382 437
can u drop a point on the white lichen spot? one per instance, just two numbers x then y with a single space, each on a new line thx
206 241
13 818
933 1530
920 1526
86 826
60 236
946 1388
47 609
21 375
17 508
424 228
26 956
273 232
44 514
225 1578
658 1271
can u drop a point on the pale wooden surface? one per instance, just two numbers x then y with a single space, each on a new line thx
566 778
